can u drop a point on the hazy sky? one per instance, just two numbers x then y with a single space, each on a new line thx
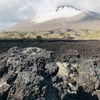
15 11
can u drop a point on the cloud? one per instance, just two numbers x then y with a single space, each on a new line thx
15 11
92 5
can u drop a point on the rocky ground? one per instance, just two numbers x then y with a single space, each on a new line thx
86 48
33 73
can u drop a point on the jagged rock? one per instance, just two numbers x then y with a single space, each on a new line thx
88 76
34 74
28 74
96 95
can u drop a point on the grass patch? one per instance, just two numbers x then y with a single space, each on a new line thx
83 34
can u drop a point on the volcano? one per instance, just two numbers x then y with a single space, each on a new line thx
60 18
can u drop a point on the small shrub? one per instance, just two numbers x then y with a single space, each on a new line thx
39 37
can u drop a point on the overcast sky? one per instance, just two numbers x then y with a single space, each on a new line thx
15 11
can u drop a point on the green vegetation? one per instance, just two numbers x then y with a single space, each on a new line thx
82 34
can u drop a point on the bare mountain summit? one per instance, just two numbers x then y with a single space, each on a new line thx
60 18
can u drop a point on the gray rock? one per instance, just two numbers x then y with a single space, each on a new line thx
34 74
29 73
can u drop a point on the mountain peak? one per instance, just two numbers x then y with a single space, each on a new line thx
67 6
64 16
60 12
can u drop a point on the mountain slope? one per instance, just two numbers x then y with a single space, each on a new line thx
60 12
58 18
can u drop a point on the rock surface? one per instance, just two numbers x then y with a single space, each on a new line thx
34 74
